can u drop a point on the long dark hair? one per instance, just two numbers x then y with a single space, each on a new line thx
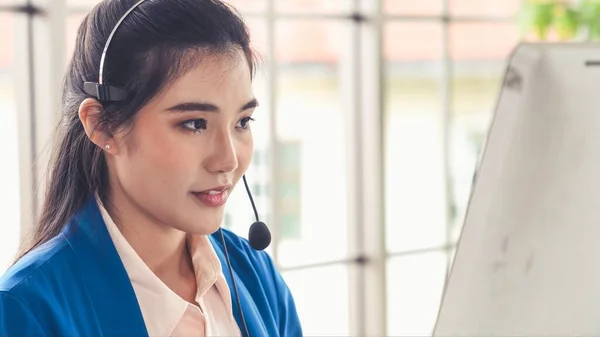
155 44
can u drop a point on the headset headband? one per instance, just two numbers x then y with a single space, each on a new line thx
100 90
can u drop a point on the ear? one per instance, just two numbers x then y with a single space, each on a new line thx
90 111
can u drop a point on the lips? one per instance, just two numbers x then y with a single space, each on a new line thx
213 197
212 192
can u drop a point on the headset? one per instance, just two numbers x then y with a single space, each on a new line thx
259 235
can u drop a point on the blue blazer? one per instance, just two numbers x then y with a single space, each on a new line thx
76 285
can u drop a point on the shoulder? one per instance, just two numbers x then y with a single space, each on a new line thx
16 319
35 266
27 288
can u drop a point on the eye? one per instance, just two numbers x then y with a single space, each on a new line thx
244 123
195 125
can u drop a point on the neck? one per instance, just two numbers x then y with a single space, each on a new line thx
162 248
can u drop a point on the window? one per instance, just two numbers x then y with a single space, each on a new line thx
321 296
415 285
9 138
227 221
441 61
289 205
415 185
442 80
257 190
310 137
413 7
506 8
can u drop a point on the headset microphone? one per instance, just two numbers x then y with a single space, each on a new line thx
259 235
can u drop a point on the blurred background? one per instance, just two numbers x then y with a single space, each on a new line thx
373 116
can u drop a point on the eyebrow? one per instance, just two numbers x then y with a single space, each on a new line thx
202 106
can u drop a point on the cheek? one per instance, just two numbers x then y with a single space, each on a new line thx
158 155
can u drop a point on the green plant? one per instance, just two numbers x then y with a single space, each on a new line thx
568 20
590 16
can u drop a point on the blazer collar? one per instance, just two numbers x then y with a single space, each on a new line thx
103 273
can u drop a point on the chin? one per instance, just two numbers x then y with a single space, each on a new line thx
212 228
204 224
202 220
203 229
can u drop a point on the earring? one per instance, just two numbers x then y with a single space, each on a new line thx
107 146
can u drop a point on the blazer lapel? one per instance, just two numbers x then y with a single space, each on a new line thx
252 316
104 275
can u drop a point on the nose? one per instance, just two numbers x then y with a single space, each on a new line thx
222 156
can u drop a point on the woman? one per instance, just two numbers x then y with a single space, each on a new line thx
154 138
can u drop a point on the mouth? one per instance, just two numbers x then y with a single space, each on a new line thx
214 197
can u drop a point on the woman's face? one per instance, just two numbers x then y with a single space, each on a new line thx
188 147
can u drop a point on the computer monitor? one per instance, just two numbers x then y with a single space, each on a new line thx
528 260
